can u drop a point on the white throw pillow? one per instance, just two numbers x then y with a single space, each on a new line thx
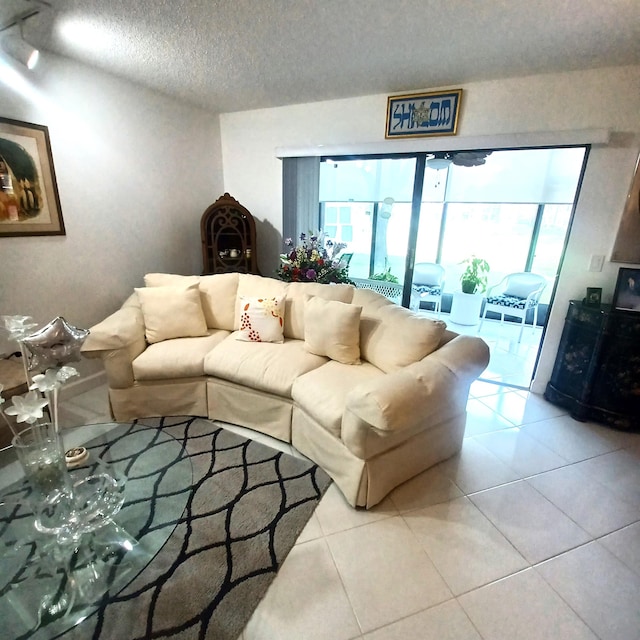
332 329
172 312
261 319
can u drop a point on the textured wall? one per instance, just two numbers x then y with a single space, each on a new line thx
135 171
606 98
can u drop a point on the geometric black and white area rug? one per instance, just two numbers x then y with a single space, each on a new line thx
245 506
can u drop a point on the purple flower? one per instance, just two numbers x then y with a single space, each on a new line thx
311 274
303 237
314 238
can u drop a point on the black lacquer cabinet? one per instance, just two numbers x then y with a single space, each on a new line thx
597 370
228 234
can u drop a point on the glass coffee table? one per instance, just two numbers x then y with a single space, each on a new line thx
45 590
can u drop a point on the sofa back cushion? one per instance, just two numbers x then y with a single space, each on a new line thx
217 294
392 337
172 312
297 294
169 280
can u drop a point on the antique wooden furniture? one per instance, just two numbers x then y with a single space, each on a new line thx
597 370
228 234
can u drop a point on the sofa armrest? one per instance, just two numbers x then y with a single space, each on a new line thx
428 391
118 340
465 356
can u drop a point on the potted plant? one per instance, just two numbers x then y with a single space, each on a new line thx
466 306
474 278
385 276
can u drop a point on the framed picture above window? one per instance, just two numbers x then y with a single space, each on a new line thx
627 293
423 114
29 201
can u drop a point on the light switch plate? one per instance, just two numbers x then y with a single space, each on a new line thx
596 263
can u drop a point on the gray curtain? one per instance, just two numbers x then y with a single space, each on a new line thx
300 196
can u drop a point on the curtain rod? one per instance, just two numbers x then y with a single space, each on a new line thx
453 143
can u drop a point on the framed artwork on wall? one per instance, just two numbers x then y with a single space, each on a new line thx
626 247
627 293
423 114
29 201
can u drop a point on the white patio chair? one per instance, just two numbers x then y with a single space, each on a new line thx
513 296
428 284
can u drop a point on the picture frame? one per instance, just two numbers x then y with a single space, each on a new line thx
423 114
593 297
626 247
29 200
627 294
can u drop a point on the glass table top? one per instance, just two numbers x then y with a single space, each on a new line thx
157 471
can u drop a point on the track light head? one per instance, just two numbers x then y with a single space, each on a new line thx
20 50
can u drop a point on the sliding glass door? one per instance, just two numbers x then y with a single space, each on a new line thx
512 208
367 203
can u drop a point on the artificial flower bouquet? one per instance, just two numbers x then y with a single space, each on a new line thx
48 350
313 260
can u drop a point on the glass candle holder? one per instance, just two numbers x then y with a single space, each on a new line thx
40 452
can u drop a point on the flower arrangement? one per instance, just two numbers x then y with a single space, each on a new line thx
311 261
29 407
55 344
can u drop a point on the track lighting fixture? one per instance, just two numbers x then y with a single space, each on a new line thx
14 44
20 50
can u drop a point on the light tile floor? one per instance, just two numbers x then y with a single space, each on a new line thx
511 362
531 532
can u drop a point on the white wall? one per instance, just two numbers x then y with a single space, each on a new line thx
605 98
135 171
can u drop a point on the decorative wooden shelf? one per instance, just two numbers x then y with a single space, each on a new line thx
228 234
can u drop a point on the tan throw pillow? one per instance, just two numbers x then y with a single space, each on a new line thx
172 312
297 295
391 337
332 329
261 319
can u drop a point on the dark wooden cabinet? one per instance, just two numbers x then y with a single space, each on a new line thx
597 370
228 234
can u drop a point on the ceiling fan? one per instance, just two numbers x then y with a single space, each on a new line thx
442 159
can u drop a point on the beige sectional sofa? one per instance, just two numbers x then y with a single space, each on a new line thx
370 391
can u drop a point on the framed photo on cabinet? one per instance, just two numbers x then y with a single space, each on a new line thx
627 293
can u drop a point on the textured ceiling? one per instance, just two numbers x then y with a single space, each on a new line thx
232 55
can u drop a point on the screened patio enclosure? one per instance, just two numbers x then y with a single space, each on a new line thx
513 209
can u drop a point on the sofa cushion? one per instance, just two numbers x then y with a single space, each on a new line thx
264 366
370 300
322 392
172 312
392 337
218 295
169 280
332 329
178 358
261 319
297 294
